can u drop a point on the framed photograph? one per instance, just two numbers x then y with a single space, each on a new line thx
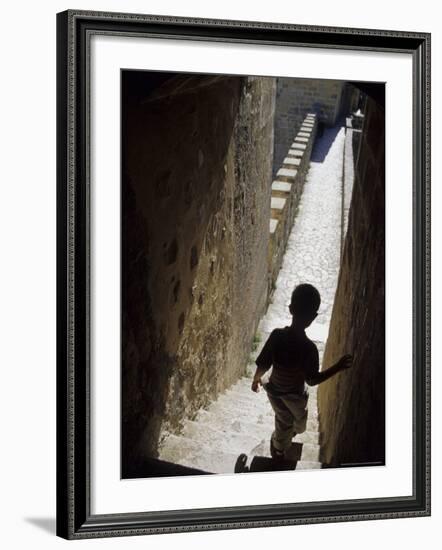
243 274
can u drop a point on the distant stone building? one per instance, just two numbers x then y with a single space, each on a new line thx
295 97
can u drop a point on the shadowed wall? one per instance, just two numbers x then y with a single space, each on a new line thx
197 163
352 404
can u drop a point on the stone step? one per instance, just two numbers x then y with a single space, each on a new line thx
263 415
249 401
273 225
301 139
244 385
297 145
309 452
227 421
226 440
181 450
281 194
234 397
256 425
281 186
244 391
184 451
307 437
232 411
304 465
246 381
260 427
278 203
286 174
289 161
242 405
312 425
296 153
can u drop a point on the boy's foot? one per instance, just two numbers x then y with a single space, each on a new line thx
241 464
275 453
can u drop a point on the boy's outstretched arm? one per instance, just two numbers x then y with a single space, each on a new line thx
344 363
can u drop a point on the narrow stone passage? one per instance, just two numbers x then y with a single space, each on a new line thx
241 421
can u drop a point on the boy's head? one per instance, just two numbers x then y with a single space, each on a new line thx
304 304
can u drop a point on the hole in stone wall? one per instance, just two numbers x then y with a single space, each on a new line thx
193 257
171 253
181 323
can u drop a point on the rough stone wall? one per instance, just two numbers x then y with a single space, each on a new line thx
253 160
195 212
295 97
352 404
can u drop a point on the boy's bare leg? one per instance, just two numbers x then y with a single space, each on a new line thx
297 405
284 426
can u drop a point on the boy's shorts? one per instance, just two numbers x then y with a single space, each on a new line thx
290 417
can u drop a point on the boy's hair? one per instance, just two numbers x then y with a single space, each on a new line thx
305 299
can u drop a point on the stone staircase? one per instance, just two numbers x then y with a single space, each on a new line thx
239 421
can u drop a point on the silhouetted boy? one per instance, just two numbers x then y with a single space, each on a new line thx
295 360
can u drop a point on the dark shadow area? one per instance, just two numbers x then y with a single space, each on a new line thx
194 211
262 464
354 464
294 453
153 467
46 524
323 143
352 408
139 86
267 464
170 199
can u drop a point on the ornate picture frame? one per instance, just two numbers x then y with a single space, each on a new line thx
75 519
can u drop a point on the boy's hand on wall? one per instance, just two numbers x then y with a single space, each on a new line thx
345 362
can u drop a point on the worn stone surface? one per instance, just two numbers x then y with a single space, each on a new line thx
292 161
313 248
352 404
196 185
239 421
295 177
281 186
301 146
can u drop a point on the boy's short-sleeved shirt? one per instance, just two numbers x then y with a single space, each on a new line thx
294 358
